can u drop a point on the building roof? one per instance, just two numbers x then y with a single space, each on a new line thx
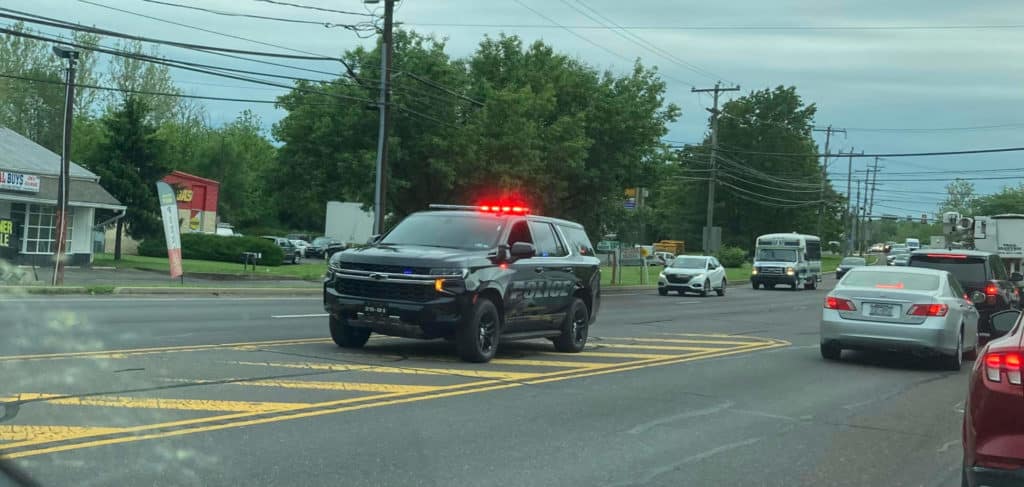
190 177
81 193
19 154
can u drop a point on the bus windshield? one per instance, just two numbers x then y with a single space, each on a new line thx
782 255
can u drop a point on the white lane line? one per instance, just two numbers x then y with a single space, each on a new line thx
688 414
311 315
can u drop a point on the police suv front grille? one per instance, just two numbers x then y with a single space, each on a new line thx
674 279
388 291
390 269
771 271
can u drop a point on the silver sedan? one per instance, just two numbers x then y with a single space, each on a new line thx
903 309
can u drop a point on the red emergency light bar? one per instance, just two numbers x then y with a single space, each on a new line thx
521 210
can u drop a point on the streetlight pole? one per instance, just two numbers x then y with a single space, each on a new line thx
387 49
64 181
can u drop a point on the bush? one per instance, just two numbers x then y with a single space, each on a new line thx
732 256
205 246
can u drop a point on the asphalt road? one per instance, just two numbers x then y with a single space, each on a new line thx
672 391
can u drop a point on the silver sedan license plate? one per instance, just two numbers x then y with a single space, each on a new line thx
884 310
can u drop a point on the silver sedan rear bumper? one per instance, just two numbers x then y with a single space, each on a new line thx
930 336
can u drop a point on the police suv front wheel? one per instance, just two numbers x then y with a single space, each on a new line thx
476 339
348 336
575 328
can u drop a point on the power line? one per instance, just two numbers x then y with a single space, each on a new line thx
903 154
727 27
321 9
39 19
759 195
570 31
949 171
629 37
329 25
176 64
748 181
937 129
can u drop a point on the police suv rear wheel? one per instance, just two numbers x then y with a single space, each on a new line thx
575 328
477 338
348 336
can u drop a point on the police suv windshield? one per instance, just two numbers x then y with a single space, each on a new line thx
782 255
455 231
689 263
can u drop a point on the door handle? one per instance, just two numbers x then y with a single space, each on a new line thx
538 270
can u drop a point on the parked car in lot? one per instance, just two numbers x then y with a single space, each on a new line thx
849 263
291 252
899 309
698 274
300 245
977 272
660 258
993 426
318 246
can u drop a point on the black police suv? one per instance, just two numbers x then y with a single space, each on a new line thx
474 274
983 278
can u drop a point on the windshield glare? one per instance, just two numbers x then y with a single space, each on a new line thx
782 255
891 280
853 261
690 263
470 232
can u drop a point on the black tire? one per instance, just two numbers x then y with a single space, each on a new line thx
347 336
721 291
811 285
955 361
796 285
476 339
575 328
754 285
831 351
662 291
704 290
295 259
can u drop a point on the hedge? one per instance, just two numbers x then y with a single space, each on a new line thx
204 246
732 256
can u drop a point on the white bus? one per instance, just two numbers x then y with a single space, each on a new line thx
790 259
913 244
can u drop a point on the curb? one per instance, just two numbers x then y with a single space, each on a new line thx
219 291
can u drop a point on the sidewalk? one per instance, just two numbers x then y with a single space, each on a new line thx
82 277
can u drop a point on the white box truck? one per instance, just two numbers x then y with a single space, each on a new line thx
348 222
1003 235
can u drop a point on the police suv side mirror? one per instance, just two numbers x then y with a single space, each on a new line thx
374 239
523 250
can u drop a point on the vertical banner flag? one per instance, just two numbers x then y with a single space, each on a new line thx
169 211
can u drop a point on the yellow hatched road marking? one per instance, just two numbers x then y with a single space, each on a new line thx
666 347
339 386
159 403
19 432
485 374
144 351
327 407
589 353
685 340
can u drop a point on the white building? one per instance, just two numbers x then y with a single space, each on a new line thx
29 175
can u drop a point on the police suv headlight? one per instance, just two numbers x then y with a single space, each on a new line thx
449 271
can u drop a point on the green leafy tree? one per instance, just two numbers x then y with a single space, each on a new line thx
129 163
129 73
1009 200
960 197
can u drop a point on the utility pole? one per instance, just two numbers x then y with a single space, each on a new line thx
871 199
384 102
707 243
856 220
824 170
65 164
849 202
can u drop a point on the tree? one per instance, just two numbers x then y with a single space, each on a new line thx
960 197
757 191
129 73
129 163
1009 200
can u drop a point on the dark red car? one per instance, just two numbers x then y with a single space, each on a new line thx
993 430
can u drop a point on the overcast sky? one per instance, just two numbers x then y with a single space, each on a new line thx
882 75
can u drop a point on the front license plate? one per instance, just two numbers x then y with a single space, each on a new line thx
375 311
886 310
